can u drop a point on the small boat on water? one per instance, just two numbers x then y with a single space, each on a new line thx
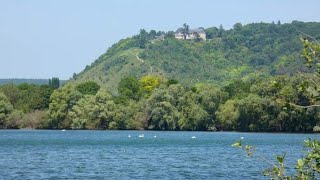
63 130
141 136
193 137
129 136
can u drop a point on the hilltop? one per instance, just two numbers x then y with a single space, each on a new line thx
245 51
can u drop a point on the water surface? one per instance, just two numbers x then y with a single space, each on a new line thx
47 154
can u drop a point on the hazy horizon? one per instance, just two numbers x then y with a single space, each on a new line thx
44 39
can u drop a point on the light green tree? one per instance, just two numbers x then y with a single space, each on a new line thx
6 109
194 117
93 111
61 102
227 115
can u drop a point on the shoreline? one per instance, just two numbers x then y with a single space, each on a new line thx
30 129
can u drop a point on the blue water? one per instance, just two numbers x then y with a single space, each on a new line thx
42 154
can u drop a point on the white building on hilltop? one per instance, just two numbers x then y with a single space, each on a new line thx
192 34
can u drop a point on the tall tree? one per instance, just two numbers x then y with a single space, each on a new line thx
185 30
142 38
54 83
5 110
221 31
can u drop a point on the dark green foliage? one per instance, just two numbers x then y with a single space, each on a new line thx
172 81
28 97
169 35
54 83
212 32
142 38
185 30
88 88
129 87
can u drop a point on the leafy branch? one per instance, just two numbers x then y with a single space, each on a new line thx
307 167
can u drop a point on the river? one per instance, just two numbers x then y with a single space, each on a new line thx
49 154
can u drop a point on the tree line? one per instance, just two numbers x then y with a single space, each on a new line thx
153 102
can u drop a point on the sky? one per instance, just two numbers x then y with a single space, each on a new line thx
56 38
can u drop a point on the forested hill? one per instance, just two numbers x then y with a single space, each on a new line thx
245 51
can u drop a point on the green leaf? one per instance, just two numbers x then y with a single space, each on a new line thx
300 164
237 144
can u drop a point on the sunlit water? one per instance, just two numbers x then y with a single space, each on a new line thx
38 154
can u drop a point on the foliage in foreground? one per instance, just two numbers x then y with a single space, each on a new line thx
307 167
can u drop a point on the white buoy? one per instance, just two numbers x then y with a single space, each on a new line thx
154 136
129 136
63 130
141 136
193 137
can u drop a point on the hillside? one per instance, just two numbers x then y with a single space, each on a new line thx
249 51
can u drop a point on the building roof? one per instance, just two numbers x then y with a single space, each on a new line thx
197 30
179 30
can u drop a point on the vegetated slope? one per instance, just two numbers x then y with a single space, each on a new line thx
249 51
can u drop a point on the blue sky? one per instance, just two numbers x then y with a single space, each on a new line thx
55 38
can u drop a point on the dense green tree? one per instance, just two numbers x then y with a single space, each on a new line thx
237 26
164 116
185 30
162 108
6 109
211 32
228 115
169 34
210 97
221 31
142 38
130 87
12 92
237 88
54 83
149 83
152 34
194 117
61 102
88 88
34 97
93 111
28 97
